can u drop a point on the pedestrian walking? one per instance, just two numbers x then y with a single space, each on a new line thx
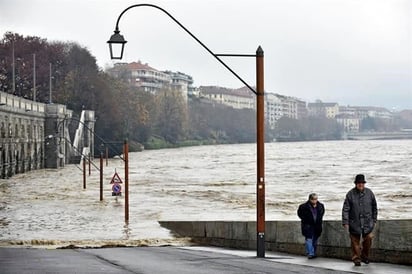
311 214
359 216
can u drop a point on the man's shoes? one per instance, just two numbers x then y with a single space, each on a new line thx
357 263
366 261
311 257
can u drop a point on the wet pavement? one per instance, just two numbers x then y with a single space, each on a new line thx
170 259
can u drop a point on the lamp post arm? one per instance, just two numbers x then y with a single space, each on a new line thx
194 37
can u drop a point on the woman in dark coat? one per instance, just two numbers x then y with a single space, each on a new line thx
311 215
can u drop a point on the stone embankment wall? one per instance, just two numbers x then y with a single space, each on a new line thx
21 135
35 135
392 241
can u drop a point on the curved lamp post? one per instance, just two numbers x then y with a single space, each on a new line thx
116 45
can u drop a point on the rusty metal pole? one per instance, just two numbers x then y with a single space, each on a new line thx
101 176
260 143
84 172
90 164
126 181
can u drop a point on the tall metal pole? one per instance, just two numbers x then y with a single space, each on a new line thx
84 172
13 71
260 143
101 175
34 77
126 181
50 84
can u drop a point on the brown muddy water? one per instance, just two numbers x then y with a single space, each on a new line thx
51 208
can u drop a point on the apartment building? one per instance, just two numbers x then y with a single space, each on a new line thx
319 108
149 79
235 98
180 82
349 122
276 105
274 108
374 112
351 116
362 112
293 107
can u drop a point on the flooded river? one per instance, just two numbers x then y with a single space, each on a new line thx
50 207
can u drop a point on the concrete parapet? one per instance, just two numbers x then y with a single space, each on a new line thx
392 238
19 104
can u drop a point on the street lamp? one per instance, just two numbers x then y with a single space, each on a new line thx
116 45
118 42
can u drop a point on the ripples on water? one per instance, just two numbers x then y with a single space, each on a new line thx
200 183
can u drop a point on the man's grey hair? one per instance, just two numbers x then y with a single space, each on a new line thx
312 196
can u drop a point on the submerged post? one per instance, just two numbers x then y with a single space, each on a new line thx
101 176
84 172
90 164
126 181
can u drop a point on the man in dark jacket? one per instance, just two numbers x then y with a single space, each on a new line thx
311 215
359 216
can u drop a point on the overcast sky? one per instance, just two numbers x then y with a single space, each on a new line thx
353 52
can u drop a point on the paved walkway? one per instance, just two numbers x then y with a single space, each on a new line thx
174 260
325 263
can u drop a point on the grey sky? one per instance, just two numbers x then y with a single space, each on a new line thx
356 52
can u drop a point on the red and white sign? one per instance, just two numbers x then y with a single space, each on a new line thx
116 179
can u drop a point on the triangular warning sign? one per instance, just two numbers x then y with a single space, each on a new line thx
116 179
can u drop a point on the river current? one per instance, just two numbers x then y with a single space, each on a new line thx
50 207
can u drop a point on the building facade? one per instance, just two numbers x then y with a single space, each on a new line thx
276 105
321 109
237 99
349 123
273 108
181 82
148 79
